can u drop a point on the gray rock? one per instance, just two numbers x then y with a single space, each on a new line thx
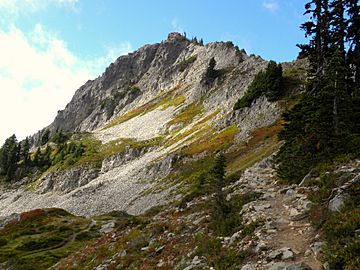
326 266
271 224
290 193
235 237
287 255
307 205
282 253
248 266
260 246
337 202
317 248
262 207
294 212
108 227
298 266
66 181
9 219
196 262
277 266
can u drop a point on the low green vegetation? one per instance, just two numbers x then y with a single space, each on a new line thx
40 238
71 150
268 83
211 142
187 115
263 143
218 257
92 152
187 62
340 229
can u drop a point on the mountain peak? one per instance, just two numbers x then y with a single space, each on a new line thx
175 36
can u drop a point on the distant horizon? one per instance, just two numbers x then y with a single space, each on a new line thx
49 48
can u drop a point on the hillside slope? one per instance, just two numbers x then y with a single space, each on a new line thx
141 114
131 185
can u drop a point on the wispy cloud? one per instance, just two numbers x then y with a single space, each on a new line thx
39 75
176 26
271 6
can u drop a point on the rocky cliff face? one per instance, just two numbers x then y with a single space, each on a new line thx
153 69
158 97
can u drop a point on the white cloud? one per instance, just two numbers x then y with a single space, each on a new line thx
271 6
38 76
176 26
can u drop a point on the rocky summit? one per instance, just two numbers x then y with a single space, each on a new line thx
149 166
158 97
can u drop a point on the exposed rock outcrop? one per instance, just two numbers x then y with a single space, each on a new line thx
66 181
157 91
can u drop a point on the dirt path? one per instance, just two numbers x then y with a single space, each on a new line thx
291 232
286 237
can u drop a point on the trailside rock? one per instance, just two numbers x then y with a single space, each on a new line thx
282 253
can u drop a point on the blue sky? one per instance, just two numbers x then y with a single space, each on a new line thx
49 48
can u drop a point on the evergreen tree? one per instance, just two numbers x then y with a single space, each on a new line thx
268 83
45 136
46 157
274 81
9 157
37 158
322 124
59 137
24 151
353 38
220 208
218 178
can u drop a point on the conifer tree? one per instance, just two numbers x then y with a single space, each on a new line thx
353 38
24 151
45 135
9 157
322 124
218 174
